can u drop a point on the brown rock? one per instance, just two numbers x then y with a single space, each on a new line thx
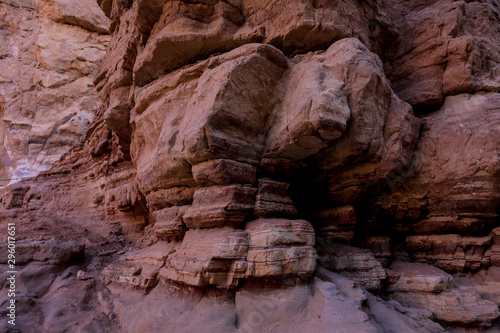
452 184
220 206
175 196
187 31
336 224
419 277
275 232
223 171
443 224
168 223
389 315
281 262
448 51
185 134
357 264
124 199
381 247
358 160
273 199
495 247
487 283
209 257
82 275
138 268
47 98
14 197
449 252
280 248
219 123
316 109
85 14
50 251
454 307
427 287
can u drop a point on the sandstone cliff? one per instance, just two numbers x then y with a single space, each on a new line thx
253 166
49 53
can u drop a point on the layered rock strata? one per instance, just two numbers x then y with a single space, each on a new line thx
49 53
242 147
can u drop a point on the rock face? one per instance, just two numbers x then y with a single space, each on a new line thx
420 285
280 248
254 166
448 52
357 264
49 54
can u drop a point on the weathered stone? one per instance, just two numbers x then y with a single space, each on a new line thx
220 122
175 196
188 31
273 199
47 98
495 247
427 287
448 51
50 251
85 14
381 247
123 198
14 198
445 224
382 129
419 277
336 224
357 264
296 105
168 223
316 108
451 187
220 206
280 248
82 275
209 257
281 262
223 172
390 315
138 268
450 252
487 283
462 306
275 232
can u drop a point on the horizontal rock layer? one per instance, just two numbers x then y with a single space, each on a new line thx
238 147
49 52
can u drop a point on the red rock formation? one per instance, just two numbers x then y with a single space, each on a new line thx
243 149
49 54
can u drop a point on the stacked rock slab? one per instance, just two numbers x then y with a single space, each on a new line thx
336 224
280 248
211 139
200 132
209 254
357 264
421 285
219 137
209 257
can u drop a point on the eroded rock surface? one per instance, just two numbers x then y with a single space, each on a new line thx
49 54
257 166
421 286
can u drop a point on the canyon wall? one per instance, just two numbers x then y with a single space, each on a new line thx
49 53
265 166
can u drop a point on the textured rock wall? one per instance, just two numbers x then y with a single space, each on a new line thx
244 150
48 56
